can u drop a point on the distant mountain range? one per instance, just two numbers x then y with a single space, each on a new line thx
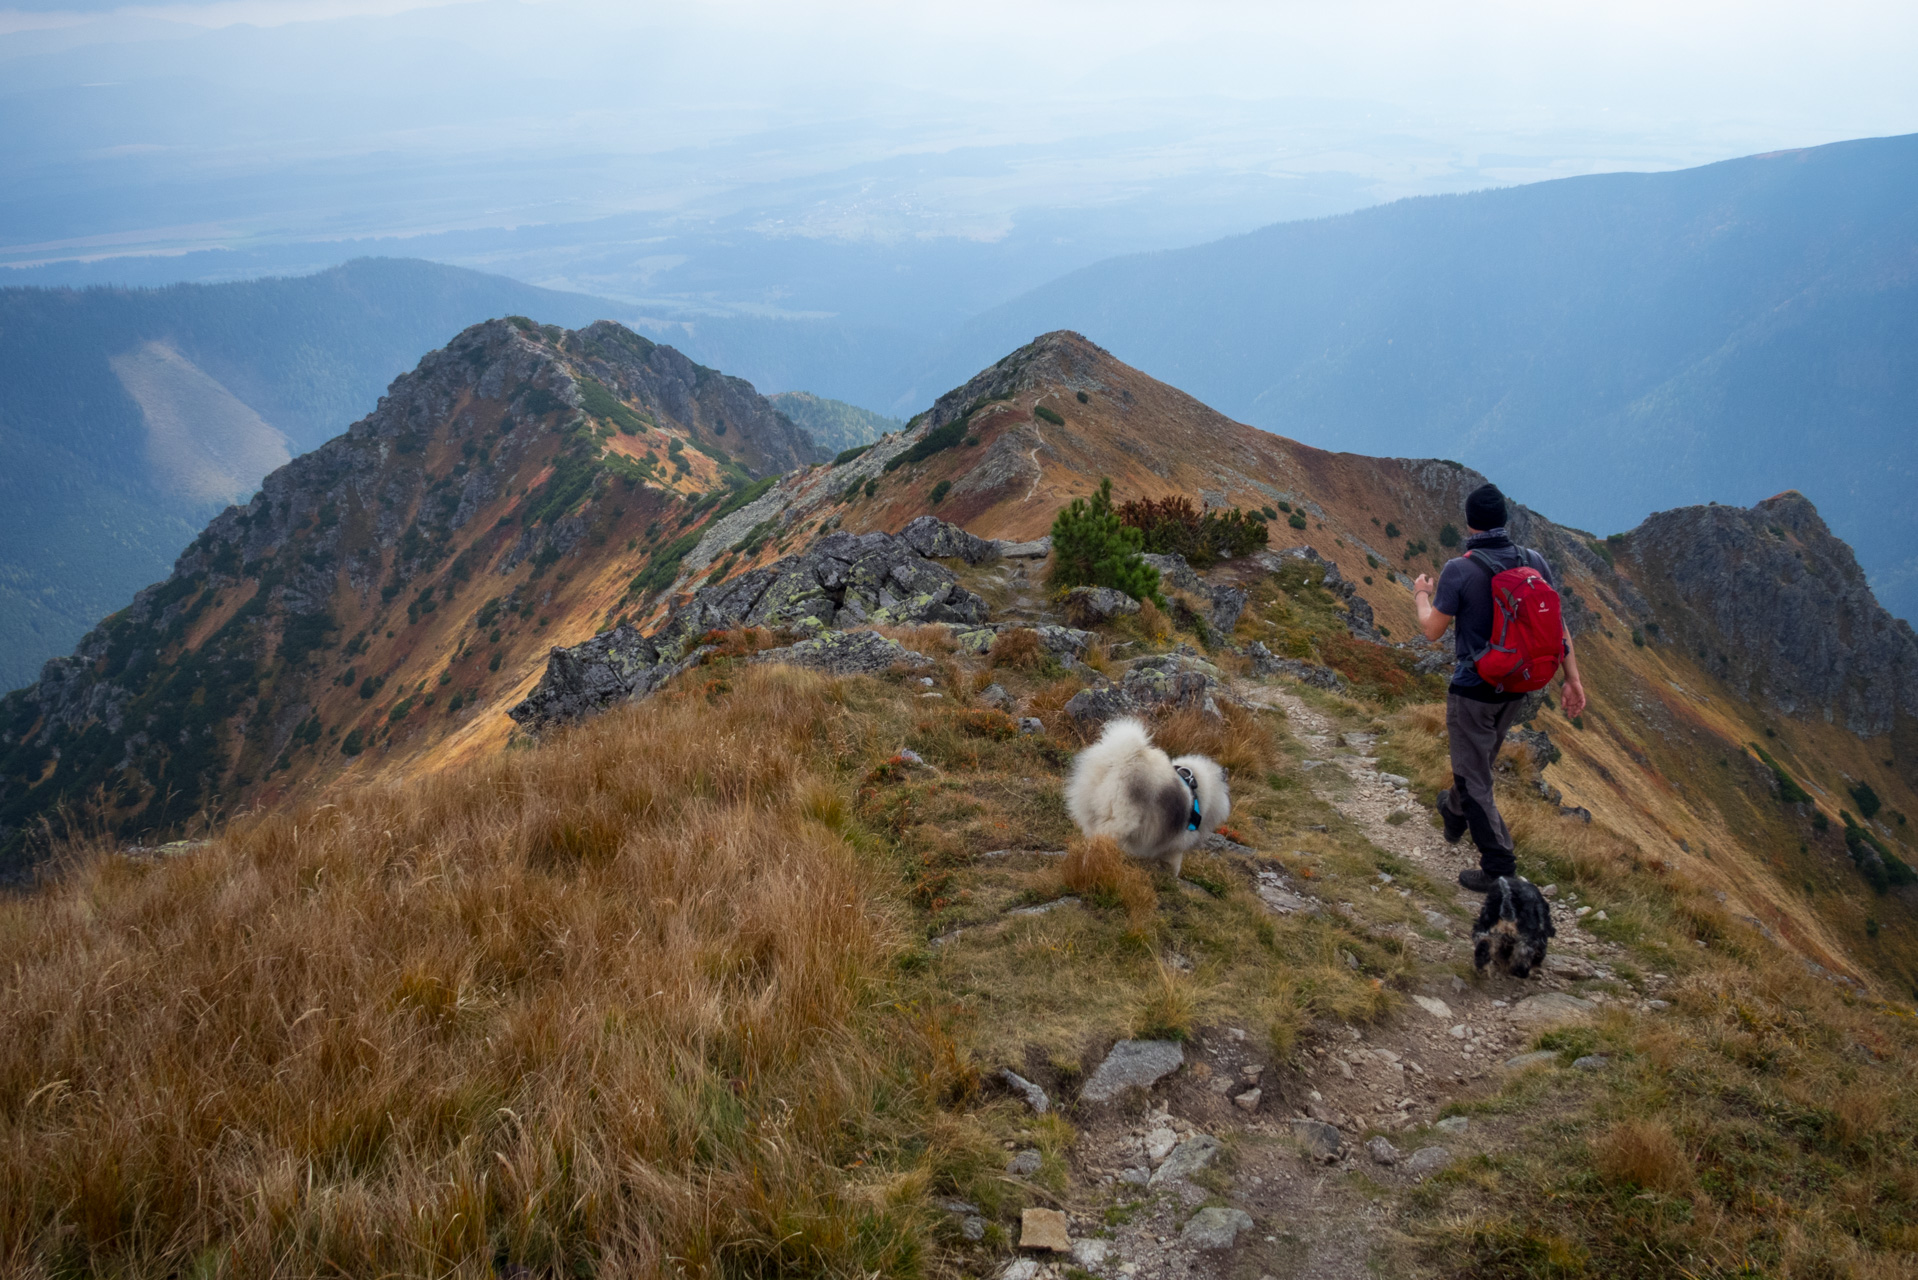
128 417
1603 346
833 424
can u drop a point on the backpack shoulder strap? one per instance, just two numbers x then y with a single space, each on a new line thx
1483 566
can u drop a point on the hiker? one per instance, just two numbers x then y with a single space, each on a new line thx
1521 650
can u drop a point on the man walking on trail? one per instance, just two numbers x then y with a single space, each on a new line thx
1477 714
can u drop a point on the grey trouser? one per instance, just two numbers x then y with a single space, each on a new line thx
1476 731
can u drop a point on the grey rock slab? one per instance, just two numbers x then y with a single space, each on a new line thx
845 653
1190 1156
996 697
1135 1177
1090 606
1215 1228
1592 1062
1434 1006
1549 1007
1383 1152
1318 1137
1021 1269
1453 1124
1176 574
1031 725
1159 1144
973 1228
1037 549
1091 708
1132 1064
1542 1058
934 539
1091 1252
1035 1096
1024 1164
1570 966
1427 1160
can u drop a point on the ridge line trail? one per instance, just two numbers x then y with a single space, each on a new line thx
1342 1216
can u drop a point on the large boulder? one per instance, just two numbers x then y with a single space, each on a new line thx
934 539
1267 663
1177 575
846 653
1090 606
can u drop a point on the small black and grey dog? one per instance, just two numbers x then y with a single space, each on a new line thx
1513 928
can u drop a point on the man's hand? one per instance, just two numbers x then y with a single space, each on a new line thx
1574 700
1431 621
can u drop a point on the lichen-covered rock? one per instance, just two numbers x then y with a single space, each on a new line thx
934 539
1227 604
1267 663
1090 606
1064 642
1177 575
1538 745
1088 709
842 580
846 653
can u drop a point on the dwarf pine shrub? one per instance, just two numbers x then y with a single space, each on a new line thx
1092 547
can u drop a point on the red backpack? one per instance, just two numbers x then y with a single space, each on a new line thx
1528 635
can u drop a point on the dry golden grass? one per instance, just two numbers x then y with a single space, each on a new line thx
1098 869
1240 740
1019 647
603 1004
1642 1153
1153 624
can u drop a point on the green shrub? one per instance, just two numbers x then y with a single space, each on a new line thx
1788 789
601 403
847 455
1268 513
1174 525
352 744
934 441
1092 547
1296 520
746 496
1868 802
1083 397
1049 415
872 487
1448 535
940 490
1391 530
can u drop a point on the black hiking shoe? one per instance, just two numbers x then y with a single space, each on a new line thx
1454 827
1477 881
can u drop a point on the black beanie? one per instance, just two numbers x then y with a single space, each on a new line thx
1485 509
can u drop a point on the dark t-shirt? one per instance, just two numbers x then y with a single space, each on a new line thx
1465 592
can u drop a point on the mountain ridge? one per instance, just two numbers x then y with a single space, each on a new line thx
1612 344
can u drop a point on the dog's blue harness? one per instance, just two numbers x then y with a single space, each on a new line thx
1192 785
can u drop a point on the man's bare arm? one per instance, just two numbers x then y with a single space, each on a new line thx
1431 621
1574 687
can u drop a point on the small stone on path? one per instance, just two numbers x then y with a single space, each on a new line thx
1215 1228
1383 1152
1318 1137
1159 1144
1044 1229
1427 1160
1025 1164
1434 1006
1035 1096
1570 966
1552 1006
1090 1252
1020 1269
1453 1124
1591 1062
1190 1156
1249 1100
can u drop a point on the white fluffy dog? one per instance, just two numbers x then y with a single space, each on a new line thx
1152 806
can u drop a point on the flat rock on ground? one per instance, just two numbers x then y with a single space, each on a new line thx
1132 1064
1215 1228
1044 1229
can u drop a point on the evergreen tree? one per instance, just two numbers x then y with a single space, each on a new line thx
1091 547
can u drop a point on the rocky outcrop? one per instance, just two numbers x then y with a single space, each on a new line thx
1775 606
1090 606
1267 663
846 653
842 580
1172 681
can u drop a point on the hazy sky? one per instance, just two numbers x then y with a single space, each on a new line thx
247 124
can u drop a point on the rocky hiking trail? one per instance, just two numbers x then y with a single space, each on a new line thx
1213 1159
